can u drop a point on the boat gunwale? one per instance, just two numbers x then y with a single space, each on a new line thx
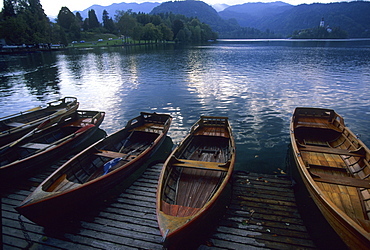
59 172
63 140
325 205
53 110
210 203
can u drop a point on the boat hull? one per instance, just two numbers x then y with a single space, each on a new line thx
15 126
54 209
82 181
199 228
58 149
193 183
352 231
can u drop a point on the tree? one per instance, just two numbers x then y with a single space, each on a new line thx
59 35
126 23
105 17
24 21
70 23
85 25
14 30
151 33
93 20
196 34
137 33
108 23
167 33
8 9
143 18
79 18
177 26
65 18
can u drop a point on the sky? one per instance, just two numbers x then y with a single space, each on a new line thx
52 7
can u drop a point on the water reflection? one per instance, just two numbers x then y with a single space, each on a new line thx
256 84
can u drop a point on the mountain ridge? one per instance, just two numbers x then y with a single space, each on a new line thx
277 17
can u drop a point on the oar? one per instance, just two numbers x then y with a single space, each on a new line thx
126 140
115 161
32 131
81 130
22 112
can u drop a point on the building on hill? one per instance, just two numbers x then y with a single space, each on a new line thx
322 22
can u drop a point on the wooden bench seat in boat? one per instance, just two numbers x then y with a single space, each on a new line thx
213 131
201 165
151 127
328 168
327 150
110 154
80 123
341 180
315 122
37 146
16 124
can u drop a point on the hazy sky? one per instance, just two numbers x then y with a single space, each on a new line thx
52 7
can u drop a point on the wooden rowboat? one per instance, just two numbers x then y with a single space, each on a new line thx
47 145
192 180
15 126
115 160
334 165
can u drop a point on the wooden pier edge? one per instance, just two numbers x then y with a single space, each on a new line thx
262 214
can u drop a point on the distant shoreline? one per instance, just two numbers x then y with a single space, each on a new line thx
294 40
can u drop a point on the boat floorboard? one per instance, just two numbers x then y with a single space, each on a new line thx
262 215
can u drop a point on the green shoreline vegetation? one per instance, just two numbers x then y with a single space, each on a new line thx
24 22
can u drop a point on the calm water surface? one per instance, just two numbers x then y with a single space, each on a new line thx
257 84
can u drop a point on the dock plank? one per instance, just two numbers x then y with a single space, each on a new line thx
262 214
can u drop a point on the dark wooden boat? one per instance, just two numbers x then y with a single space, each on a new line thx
115 160
334 165
15 126
49 144
193 178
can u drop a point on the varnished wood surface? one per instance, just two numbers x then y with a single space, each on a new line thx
262 215
335 166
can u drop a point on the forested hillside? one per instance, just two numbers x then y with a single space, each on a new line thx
146 7
353 17
203 11
208 15
276 19
250 14
24 23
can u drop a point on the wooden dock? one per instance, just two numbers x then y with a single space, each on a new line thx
262 215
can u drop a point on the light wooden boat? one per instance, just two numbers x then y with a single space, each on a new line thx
192 180
48 145
115 160
334 165
15 126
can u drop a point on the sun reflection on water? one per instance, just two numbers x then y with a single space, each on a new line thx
256 86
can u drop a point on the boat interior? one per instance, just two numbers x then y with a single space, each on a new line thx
106 157
196 172
338 163
46 140
24 120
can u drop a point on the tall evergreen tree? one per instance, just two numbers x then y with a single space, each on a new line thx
79 18
66 18
93 20
108 23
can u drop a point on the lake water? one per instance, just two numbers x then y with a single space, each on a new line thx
256 83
